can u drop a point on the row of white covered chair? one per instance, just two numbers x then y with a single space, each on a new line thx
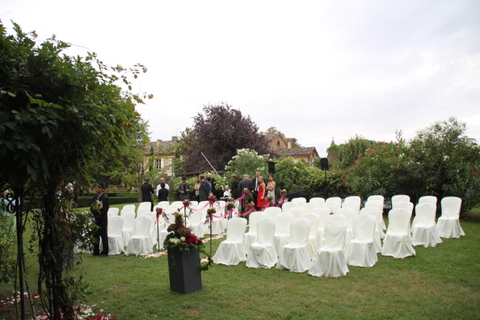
333 256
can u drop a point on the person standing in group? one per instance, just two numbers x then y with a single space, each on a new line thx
213 184
99 209
246 183
197 188
147 192
227 193
261 197
234 188
184 189
271 185
163 192
162 180
205 189
256 184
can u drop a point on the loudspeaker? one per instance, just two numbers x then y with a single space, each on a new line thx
271 167
324 164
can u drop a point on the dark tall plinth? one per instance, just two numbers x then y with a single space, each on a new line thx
184 269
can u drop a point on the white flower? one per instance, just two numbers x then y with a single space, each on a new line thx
182 238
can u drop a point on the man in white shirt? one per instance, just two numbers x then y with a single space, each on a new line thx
162 180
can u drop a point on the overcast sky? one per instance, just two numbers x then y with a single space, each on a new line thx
312 69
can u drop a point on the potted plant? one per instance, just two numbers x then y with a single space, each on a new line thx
184 263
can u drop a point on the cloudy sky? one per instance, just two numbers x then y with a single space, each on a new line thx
312 69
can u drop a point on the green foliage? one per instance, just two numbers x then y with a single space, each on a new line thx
7 246
247 161
439 161
348 152
62 119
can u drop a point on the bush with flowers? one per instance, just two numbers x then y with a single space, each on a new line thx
181 237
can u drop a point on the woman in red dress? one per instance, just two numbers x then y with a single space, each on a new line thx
261 197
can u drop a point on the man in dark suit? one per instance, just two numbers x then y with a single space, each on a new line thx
256 184
205 189
147 192
100 212
246 183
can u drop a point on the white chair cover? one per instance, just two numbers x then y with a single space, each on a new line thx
424 229
286 206
398 241
127 229
139 243
429 199
273 211
327 220
376 197
376 214
146 205
282 230
294 255
309 207
163 204
252 231
352 204
261 253
349 214
114 231
380 205
299 201
297 211
317 200
333 203
362 251
400 198
112 212
312 233
331 259
230 252
448 225
128 207
196 224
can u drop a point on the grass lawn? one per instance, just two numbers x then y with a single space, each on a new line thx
439 283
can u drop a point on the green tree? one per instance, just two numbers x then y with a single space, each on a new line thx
348 152
449 161
247 162
62 119
218 134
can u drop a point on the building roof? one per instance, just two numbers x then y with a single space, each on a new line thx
160 146
301 151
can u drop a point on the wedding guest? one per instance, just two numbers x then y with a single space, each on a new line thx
271 185
261 197
184 189
100 212
163 192
147 192
197 188
205 189
234 188
227 193
162 180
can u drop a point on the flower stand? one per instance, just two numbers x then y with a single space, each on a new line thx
184 270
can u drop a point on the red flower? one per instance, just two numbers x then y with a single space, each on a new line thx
359 156
475 171
355 161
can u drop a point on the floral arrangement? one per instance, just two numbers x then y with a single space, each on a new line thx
269 198
186 203
251 204
179 236
246 191
230 206
283 191
230 199
212 198
158 210
97 205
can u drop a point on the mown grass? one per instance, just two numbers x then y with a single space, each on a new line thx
439 283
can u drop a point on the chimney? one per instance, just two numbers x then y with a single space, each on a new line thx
289 144
175 139
159 142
